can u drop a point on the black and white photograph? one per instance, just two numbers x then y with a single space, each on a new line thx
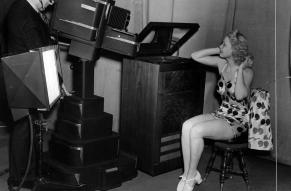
138 95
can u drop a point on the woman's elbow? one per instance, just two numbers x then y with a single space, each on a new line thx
241 95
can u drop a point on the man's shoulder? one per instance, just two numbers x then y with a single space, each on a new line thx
20 8
21 13
4 8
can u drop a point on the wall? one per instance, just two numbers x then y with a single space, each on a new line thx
107 84
256 20
108 70
283 90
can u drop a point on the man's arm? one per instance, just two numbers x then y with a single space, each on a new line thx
33 37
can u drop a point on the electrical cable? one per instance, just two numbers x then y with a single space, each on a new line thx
59 54
276 106
289 51
234 14
28 164
60 63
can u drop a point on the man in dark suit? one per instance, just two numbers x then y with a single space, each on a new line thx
5 115
4 7
25 29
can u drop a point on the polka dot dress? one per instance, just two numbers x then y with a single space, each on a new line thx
234 111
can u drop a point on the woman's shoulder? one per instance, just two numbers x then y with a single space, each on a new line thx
221 65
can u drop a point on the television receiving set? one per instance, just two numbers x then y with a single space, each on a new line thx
31 78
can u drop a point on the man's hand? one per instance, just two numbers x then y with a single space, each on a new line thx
64 91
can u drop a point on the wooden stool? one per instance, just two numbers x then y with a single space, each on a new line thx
229 150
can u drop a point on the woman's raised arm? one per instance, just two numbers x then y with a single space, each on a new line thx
209 56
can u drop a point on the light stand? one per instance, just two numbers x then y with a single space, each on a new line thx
31 82
41 182
39 130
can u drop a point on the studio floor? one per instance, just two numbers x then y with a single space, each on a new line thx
264 175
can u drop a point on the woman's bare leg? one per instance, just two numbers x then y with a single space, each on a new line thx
214 129
187 125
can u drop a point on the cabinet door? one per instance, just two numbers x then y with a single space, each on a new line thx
180 97
138 107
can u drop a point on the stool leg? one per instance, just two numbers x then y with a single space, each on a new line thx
243 168
210 163
229 165
224 167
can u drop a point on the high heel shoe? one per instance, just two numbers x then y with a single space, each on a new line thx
190 183
181 183
198 178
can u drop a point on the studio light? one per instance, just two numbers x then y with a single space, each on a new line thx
31 78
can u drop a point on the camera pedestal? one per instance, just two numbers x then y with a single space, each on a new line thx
83 138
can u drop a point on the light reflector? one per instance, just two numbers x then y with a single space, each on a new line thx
31 78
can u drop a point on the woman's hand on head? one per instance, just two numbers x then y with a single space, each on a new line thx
247 63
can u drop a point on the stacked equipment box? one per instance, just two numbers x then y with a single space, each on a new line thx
83 150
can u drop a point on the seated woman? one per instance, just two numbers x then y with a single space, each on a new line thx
234 65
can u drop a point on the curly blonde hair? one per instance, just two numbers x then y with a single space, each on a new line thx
239 46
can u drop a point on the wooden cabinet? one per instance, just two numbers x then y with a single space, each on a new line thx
158 94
